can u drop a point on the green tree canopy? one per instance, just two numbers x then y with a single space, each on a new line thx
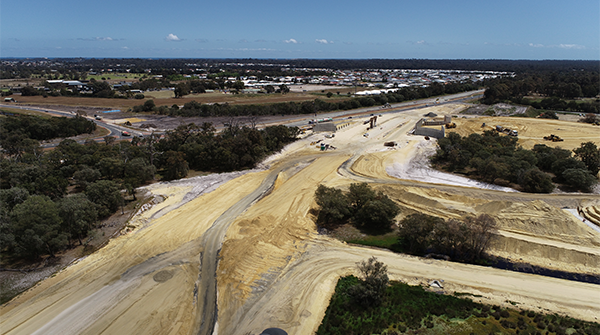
589 154
78 215
334 205
371 289
106 195
37 227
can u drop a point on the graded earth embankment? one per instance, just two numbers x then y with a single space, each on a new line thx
275 270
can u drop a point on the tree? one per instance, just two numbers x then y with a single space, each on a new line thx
283 88
181 89
13 196
377 214
371 289
536 181
37 227
579 178
269 89
589 118
78 215
149 106
85 176
333 203
589 154
176 167
549 115
481 230
106 195
359 194
414 232
329 94
450 238
138 172
559 166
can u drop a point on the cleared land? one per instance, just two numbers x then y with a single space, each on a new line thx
275 270
167 98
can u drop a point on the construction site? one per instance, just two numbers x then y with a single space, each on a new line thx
238 253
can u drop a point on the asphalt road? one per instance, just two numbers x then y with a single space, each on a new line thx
115 130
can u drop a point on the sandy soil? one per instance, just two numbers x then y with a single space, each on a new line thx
275 270
532 131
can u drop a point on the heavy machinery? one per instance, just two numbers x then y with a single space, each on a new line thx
553 138
450 125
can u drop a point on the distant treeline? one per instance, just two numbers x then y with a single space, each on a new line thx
40 128
497 159
286 66
307 107
553 88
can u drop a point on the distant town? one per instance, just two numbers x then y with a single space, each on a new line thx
250 77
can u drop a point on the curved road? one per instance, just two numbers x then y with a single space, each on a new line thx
210 243
114 130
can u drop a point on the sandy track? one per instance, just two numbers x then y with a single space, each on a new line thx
298 299
274 269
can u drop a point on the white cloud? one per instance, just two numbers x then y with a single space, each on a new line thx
125 48
562 46
173 37
201 40
323 41
98 39
291 40
571 46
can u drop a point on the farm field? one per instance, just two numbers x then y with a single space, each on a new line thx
167 98
273 266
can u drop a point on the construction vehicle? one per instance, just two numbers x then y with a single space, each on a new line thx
390 144
450 125
553 138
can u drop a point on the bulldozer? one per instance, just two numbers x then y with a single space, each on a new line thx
553 138
450 125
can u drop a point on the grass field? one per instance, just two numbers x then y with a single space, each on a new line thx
116 77
125 104
24 112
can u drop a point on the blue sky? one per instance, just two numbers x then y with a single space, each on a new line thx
457 29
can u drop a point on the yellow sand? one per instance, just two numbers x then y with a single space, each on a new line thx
275 270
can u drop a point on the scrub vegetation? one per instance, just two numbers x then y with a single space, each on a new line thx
405 309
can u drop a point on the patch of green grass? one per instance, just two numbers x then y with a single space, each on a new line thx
381 241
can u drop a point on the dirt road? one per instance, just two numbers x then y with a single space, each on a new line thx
271 266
